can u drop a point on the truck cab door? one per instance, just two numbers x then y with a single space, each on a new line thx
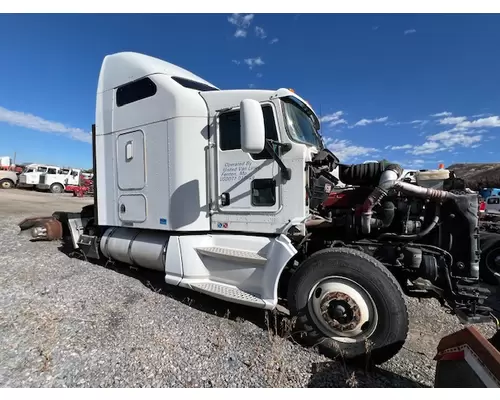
247 186
73 177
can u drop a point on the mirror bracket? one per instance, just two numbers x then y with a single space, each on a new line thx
286 173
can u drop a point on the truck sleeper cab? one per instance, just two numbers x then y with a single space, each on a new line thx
232 193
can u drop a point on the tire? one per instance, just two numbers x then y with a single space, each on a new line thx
56 188
6 184
381 305
490 257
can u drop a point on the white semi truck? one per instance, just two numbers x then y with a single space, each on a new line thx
30 177
232 193
56 180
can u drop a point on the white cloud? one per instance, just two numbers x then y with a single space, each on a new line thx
374 28
427 148
446 140
364 121
462 133
236 62
441 114
451 139
251 85
346 151
333 119
410 31
252 62
273 41
338 122
452 120
260 32
35 123
403 147
240 33
259 75
242 22
490 122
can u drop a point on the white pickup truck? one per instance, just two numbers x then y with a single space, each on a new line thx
56 180
30 177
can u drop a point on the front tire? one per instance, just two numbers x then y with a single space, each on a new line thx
348 304
56 188
6 184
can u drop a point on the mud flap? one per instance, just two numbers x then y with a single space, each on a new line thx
467 359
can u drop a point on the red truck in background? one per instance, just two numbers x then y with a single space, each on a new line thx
84 188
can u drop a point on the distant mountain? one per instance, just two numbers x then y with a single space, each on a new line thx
478 175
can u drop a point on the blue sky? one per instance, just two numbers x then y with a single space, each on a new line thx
417 89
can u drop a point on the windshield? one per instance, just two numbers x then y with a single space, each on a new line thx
299 124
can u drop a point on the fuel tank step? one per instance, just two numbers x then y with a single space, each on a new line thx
228 293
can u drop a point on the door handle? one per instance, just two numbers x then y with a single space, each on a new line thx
225 199
129 151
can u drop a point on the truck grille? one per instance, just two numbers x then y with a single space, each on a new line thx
22 179
42 179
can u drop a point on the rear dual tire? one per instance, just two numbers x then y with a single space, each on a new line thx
348 304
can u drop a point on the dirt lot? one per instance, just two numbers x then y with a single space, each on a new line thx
67 322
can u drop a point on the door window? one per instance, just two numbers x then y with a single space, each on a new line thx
229 131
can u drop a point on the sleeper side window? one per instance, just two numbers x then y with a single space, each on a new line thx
493 200
135 91
229 131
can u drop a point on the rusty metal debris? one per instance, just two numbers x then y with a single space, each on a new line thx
43 228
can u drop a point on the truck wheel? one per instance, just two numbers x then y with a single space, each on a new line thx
489 263
348 304
6 184
56 188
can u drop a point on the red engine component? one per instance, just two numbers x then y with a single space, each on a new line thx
347 198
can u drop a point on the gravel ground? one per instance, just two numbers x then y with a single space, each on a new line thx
65 322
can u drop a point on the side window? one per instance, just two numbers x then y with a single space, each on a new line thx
229 131
51 171
263 192
494 200
135 91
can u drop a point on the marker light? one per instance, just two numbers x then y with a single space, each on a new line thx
291 90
